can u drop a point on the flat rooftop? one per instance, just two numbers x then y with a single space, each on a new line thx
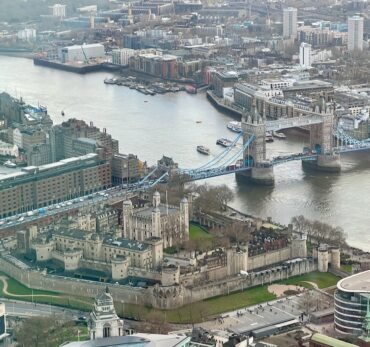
358 283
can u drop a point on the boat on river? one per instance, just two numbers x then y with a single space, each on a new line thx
203 150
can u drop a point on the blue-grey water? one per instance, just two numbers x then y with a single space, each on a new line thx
167 124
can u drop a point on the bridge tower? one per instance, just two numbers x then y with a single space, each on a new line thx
255 155
321 140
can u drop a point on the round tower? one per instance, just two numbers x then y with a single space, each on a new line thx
322 259
335 258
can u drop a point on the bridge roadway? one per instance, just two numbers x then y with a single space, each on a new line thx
286 123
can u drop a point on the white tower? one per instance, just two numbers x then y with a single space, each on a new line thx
355 33
290 23
103 321
305 55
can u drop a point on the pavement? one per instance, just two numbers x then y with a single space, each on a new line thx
273 313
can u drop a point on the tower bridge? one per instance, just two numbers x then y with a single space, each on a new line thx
250 161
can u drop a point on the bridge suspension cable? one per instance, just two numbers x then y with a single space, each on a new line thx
217 158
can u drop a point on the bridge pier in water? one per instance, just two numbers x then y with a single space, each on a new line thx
254 155
321 140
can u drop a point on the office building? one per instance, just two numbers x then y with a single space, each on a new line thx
290 23
355 33
305 55
38 186
58 10
351 302
122 56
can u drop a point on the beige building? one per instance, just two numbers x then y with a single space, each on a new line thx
78 249
34 187
167 222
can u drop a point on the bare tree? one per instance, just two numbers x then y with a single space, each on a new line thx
238 232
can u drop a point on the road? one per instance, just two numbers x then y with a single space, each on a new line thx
17 308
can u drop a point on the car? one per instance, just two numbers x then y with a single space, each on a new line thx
63 204
81 200
2 222
21 219
69 203
57 206
29 214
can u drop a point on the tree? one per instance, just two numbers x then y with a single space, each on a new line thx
238 232
44 331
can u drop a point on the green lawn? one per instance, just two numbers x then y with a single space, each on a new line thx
197 232
322 279
346 268
204 309
48 297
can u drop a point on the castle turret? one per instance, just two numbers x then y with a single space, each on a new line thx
156 222
184 218
127 210
335 258
156 199
299 246
322 258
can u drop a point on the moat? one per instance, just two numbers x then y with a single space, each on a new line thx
174 124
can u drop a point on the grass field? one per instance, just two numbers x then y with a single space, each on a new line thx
346 268
322 279
204 309
197 232
42 296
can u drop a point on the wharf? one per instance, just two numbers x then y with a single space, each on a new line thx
220 104
80 69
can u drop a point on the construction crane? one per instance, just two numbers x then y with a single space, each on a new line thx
83 51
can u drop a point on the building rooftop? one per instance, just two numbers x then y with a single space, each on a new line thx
163 209
74 233
142 340
127 244
330 341
358 283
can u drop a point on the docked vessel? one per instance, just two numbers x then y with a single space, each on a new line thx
10 164
269 137
280 136
110 81
235 126
203 150
190 89
224 142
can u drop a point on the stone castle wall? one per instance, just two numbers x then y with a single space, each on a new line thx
158 296
269 258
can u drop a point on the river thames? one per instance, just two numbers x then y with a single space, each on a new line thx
152 126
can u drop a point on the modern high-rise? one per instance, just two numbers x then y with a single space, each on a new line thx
58 10
290 23
355 33
305 55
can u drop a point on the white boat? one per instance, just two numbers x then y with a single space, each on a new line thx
10 164
224 142
269 137
281 136
203 150
235 126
